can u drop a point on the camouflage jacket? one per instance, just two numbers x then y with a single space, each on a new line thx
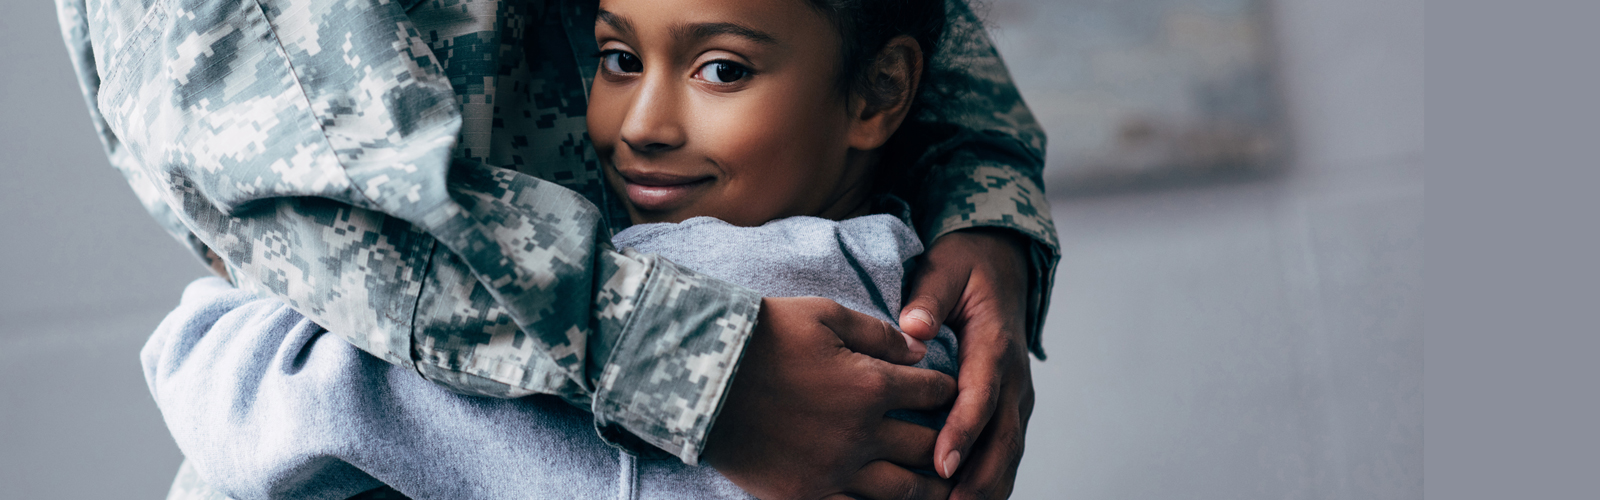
414 175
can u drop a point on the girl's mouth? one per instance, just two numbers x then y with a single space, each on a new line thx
657 192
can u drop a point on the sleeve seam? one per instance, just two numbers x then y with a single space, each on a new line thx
414 352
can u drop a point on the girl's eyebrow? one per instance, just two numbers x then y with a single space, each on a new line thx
703 31
616 22
698 31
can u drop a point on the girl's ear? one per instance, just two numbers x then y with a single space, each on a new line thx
881 100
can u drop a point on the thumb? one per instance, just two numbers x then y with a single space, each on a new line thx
873 337
934 293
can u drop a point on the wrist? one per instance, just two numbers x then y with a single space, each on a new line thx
1016 240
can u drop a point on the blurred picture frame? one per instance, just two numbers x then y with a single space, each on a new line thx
1139 92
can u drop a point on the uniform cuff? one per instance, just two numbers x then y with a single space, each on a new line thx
987 193
668 374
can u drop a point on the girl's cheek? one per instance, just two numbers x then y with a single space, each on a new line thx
751 139
605 118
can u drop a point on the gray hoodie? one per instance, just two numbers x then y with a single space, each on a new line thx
264 404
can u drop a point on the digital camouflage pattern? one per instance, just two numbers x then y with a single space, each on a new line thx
415 176
979 156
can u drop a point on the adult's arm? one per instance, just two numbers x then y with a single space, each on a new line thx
992 255
977 158
308 145
232 370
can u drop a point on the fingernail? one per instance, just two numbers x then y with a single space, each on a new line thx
916 346
921 315
951 461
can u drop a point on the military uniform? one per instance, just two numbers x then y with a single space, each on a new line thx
415 176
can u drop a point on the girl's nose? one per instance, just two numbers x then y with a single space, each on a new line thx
654 123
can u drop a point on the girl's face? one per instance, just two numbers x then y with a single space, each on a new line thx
723 108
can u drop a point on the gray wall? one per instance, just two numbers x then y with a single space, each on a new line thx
85 275
1259 338
1230 339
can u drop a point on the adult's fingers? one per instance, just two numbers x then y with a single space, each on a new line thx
906 444
912 388
935 290
975 403
880 480
872 336
993 470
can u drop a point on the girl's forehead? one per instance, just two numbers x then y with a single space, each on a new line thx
773 18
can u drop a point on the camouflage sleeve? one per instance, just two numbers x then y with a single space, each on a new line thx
308 143
979 158
75 31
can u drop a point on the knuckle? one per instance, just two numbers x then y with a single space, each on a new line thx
824 307
888 332
819 305
965 436
963 427
1008 347
854 434
985 393
910 489
941 388
1012 444
873 385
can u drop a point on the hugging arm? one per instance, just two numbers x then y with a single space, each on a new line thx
313 155
977 190
977 159
234 371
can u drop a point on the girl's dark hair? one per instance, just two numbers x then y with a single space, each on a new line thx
865 26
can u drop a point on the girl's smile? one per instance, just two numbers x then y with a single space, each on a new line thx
661 191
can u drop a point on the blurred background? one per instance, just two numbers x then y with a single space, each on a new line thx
1238 186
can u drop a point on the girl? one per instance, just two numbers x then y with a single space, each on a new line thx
759 134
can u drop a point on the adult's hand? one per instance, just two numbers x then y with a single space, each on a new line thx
977 280
804 418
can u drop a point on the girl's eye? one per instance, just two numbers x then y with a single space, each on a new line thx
617 61
723 72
